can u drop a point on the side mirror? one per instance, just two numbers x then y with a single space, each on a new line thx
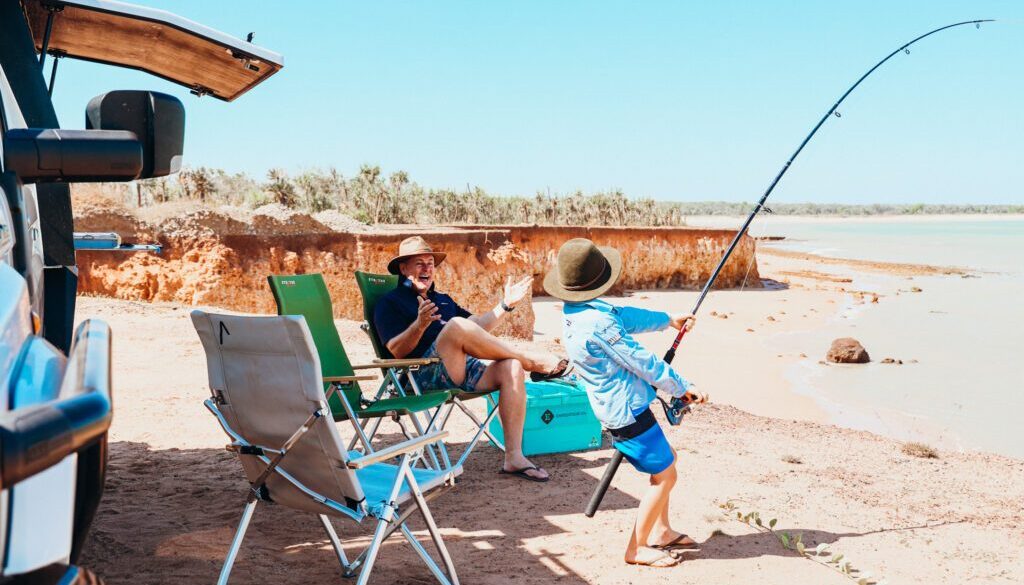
157 119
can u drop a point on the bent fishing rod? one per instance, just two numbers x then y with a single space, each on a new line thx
678 407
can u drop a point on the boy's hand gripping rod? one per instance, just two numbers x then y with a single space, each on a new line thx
678 407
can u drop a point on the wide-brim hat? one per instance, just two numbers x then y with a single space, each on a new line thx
583 271
414 246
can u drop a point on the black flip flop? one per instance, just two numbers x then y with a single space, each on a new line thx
562 369
521 472
676 545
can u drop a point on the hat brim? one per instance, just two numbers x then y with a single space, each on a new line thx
393 265
608 278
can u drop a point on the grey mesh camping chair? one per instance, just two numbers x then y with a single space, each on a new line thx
268 395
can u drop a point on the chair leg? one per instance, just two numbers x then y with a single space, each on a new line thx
416 546
440 446
421 503
370 555
482 425
371 552
334 541
476 437
236 543
373 424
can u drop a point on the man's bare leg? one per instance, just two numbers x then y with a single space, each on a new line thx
461 337
510 379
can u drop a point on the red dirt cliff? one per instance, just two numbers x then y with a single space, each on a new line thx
222 257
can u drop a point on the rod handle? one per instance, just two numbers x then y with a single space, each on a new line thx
606 481
671 353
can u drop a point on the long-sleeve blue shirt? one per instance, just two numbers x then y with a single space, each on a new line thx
618 373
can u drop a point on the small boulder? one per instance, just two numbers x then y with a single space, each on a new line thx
847 350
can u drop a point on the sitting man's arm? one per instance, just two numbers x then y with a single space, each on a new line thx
401 344
511 295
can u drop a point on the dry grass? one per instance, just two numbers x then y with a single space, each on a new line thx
374 198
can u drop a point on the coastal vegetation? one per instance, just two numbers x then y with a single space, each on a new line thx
373 198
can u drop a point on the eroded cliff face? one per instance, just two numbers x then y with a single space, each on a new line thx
219 259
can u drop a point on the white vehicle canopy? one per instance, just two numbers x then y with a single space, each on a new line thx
205 60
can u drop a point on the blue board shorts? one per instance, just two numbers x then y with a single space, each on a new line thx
436 377
644 444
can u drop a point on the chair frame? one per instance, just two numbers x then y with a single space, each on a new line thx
389 519
456 400
432 456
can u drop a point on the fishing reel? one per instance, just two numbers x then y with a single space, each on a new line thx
680 406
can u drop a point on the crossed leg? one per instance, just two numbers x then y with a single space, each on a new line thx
462 337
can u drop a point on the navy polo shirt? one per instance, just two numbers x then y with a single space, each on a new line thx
396 311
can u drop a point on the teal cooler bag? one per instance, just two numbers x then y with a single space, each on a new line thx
558 419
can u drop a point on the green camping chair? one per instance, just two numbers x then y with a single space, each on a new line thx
306 295
374 286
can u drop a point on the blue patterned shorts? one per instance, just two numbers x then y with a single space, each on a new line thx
436 377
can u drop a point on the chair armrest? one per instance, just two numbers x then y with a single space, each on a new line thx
347 379
396 450
395 363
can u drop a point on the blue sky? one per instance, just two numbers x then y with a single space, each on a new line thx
672 100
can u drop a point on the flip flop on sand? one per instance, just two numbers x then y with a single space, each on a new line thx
521 472
563 368
650 557
678 545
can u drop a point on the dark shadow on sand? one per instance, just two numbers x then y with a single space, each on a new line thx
168 516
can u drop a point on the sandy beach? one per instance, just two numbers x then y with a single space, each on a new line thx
174 495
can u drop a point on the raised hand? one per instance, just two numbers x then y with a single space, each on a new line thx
515 292
427 312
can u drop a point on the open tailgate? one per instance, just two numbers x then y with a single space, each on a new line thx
205 60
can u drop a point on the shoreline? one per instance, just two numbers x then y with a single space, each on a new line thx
728 221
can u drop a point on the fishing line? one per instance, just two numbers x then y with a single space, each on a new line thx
679 406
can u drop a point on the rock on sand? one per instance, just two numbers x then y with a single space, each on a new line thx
847 350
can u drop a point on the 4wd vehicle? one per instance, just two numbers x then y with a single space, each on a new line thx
55 393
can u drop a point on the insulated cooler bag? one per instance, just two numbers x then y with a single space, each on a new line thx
558 419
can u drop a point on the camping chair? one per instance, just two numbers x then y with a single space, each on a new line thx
306 295
374 286
268 396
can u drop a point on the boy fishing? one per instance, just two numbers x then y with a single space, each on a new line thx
620 377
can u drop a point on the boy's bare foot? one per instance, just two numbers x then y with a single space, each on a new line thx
649 557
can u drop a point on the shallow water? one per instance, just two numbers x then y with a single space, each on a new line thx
966 390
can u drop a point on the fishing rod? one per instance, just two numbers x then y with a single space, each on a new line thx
678 407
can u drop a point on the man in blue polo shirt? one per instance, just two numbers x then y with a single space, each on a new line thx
416 321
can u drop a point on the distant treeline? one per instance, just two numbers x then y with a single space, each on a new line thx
371 197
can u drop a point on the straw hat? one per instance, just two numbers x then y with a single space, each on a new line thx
413 246
583 271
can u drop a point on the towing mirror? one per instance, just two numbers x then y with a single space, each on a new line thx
44 155
157 119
